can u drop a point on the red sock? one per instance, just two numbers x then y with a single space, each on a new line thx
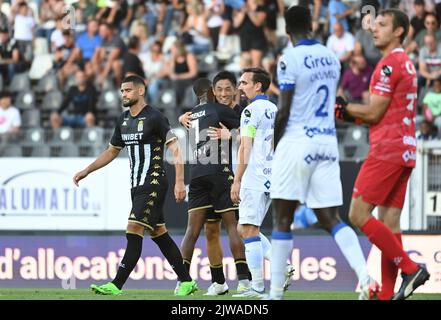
389 272
384 239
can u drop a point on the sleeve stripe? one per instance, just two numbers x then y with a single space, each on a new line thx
382 89
248 131
287 86
116 147
171 140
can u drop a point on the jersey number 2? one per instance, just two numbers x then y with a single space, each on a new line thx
321 110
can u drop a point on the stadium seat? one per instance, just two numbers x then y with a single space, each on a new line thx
41 46
167 99
34 136
41 65
66 150
25 100
11 151
109 100
31 118
91 136
64 135
40 151
207 63
20 82
356 135
190 99
52 101
48 83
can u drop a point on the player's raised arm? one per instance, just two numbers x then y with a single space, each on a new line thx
103 159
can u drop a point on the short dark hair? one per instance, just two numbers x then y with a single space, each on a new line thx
298 20
133 42
419 2
260 75
399 19
225 75
137 80
201 86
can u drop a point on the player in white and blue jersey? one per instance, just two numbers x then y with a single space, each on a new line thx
252 179
305 165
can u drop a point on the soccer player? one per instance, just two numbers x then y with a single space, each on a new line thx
211 178
383 177
143 130
305 165
251 184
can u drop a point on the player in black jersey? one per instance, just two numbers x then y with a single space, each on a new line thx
143 130
211 176
224 88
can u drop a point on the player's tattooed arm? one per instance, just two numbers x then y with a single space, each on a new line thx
282 116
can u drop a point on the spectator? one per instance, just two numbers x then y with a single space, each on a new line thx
10 120
57 39
213 11
338 13
84 11
427 131
342 43
107 57
132 64
429 61
9 56
49 12
155 70
195 32
183 69
432 104
89 41
24 24
364 42
141 31
4 21
64 57
431 25
83 98
355 83
417 21
249 21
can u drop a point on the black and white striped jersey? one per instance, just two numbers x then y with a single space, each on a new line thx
144 136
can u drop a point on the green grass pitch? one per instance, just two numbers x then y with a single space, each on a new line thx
85 294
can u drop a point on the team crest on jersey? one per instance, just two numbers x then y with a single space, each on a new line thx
282 65
141 125
247 113
386 71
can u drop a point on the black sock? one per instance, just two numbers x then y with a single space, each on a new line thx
217 273
171 252
242 269
187 264
130 259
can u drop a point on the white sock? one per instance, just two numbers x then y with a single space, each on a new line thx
266 246
281 247
254 256
349 245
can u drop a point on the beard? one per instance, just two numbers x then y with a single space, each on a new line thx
130 102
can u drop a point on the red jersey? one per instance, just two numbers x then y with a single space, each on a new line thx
393 138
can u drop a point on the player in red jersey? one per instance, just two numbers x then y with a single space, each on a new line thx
383 178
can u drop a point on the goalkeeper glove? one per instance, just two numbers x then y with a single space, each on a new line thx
340 110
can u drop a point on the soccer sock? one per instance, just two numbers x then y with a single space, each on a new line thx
266 246
349 245
217 273
384 239
186 263
130 259
242 269
254 255
389 272
171 252
281 246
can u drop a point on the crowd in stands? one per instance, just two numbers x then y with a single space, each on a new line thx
62 60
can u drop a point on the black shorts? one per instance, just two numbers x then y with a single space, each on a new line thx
253 42
148 202
211 192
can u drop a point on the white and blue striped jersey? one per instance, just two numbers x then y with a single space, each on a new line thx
313 71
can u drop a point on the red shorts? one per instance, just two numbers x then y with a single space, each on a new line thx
382 183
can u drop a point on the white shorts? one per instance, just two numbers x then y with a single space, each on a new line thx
253 206
309 173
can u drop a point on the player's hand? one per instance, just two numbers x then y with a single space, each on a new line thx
235 191
80 176
340 110
219 133
185 120
180 192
